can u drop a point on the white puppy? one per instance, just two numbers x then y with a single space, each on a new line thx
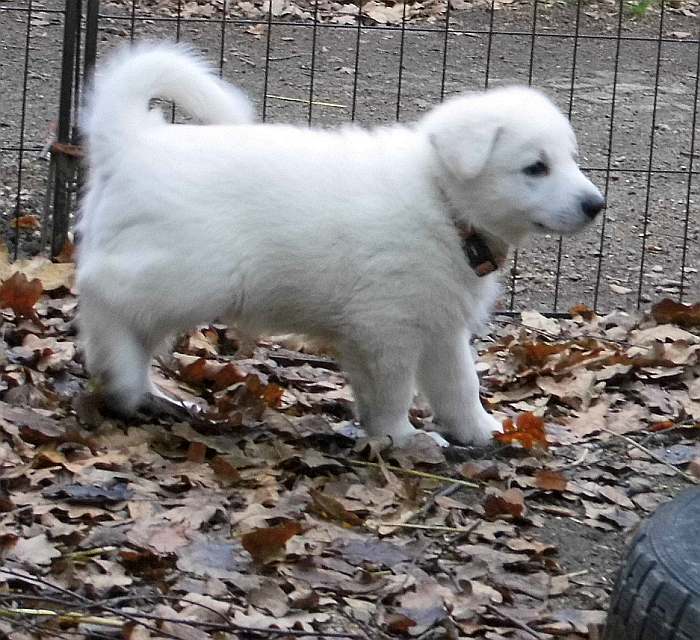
383 242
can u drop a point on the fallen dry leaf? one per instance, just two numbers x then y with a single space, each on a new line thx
28 221
550 480
528 431
510 502
51 275
537 321
669 312
34 551
268 544
329 507
20 294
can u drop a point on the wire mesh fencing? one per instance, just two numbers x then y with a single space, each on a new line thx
625 72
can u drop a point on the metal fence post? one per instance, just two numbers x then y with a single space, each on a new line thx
64 164
91 21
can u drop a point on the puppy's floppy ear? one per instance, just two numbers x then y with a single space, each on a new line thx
463 138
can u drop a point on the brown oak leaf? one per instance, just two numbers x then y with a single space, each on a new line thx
20 294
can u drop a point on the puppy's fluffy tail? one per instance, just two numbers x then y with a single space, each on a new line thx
123 88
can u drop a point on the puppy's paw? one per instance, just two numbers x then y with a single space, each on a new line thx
486 427
479 431
402 437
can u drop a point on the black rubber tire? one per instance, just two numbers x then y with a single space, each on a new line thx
657 591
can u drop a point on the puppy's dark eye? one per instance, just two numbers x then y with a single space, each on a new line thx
536 169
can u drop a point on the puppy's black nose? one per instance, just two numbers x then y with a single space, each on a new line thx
593 206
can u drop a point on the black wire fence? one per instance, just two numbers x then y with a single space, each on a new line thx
625 71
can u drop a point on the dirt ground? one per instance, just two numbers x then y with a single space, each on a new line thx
611 252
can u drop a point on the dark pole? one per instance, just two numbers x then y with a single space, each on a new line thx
93 10
63 164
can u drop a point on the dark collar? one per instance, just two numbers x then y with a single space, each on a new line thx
484 253
484 257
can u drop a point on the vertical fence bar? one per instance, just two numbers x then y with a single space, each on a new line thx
77 74
530 72
63 164
689 189
399 86
312 76
22 122
489 45
356 71
445 42
608 165
132 21
268 46
222 40
178 21
574 60
650 165
178 28
90 55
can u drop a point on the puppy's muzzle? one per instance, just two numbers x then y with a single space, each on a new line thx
593 205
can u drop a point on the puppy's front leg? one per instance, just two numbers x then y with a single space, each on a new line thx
447 376
382 382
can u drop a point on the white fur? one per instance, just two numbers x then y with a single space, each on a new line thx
343 235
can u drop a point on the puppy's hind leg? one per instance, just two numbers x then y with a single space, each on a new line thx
117 357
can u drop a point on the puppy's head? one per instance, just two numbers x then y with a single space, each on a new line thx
508 160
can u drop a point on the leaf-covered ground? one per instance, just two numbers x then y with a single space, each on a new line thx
265 516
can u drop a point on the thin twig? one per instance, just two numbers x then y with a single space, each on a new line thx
574 574
652 455
88 553
68 617
408 472
432 527
575 463
289 57
430 502
303 101
515 621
